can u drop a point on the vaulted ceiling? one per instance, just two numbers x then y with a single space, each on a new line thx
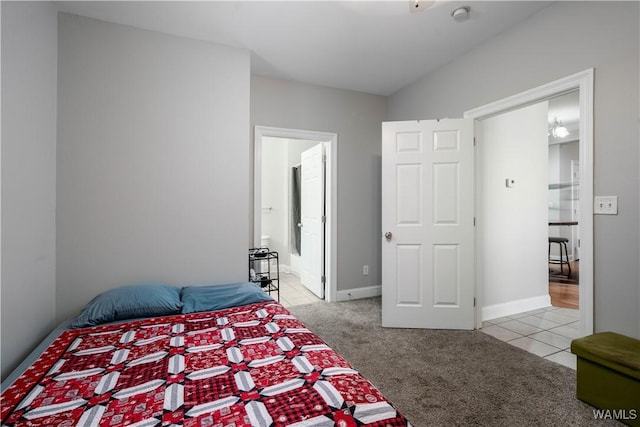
375 47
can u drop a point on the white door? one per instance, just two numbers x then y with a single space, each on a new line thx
312 213
428 262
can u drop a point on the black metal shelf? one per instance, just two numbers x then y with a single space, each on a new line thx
262 271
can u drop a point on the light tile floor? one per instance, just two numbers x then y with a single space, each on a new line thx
546 332
293 292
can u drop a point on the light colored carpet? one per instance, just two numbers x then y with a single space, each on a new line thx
447 378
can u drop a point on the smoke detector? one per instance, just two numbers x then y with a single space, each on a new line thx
461 14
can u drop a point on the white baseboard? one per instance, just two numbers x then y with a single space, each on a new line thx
284 268
359 293
513 307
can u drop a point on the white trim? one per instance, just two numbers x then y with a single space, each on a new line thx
583 81
359 293
285 269
331 238
513 307
531 96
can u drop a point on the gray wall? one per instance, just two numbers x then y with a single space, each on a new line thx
153 160
356 118
563 39
29 64
514 146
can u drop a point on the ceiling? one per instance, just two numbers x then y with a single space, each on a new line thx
370 46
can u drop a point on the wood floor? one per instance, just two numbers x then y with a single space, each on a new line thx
562 289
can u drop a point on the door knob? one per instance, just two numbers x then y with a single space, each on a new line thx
388 235
299 225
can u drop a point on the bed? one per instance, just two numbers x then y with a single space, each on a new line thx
249 363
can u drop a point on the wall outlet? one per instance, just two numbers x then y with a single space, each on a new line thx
365 270
605 205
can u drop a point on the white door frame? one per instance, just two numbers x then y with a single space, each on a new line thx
583 81
331 201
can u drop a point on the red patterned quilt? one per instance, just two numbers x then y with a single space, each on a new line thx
255 365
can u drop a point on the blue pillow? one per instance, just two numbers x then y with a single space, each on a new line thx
130 302
217 297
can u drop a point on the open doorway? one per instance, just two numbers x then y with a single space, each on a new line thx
294 209
546 330
582 83
564 200
530 179
291 214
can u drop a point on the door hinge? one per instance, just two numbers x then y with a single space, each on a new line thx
323 279
324 158
474 302
474 221
474 141
324 219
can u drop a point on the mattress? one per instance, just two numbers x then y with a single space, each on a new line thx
253 365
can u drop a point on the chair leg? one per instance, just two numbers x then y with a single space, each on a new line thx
561 260
566 252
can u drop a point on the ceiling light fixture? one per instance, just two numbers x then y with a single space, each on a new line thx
461 14
557 129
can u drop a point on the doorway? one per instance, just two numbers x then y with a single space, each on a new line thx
563 200
583 83
293 208
278 158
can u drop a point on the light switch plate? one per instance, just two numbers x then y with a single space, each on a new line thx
605 205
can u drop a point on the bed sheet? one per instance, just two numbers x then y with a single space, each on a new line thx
255 365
